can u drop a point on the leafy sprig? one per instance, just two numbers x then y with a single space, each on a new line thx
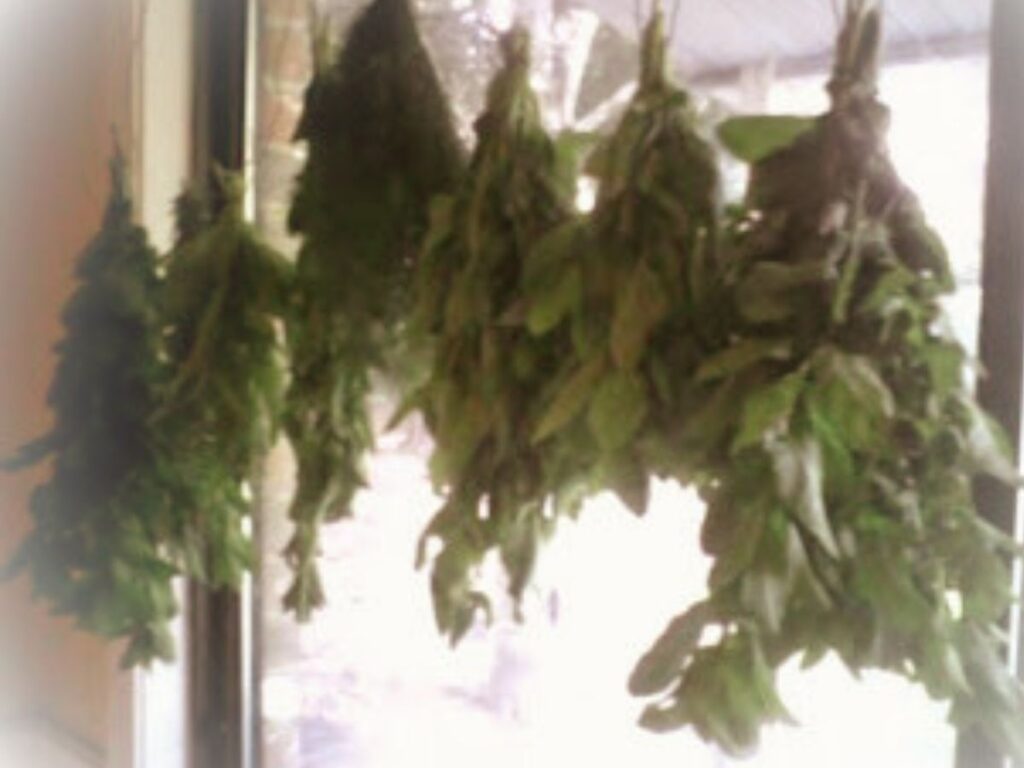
225 290
634 286
96 550
840 443
481 395
381 144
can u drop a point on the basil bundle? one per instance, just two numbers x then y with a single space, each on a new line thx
635 287
488 371
381 144
96 550
839 443
224 291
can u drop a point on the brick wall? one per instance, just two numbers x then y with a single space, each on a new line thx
284 65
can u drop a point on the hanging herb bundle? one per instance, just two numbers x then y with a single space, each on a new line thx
842 443
95 551
381 144
224 290
488 372
635 286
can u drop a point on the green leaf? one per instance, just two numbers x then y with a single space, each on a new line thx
754 138
766 293
840 470
617 410
639 311
850 396
799 477
662 664
767 411
571 400
988 448
549 256
519 556
859 377
731 534
742 355
946 362
889 584
571 151
556 299
628 479
661 718
765 593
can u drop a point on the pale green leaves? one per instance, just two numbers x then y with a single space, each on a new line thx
799 477
752 139
988 448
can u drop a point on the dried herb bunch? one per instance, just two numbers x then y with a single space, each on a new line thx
840 443
635 286
96 549
381 144
488 371
224 291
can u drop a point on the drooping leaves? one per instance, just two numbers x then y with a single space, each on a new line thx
481 396
381 144
97 547
839 474
629 285
225 289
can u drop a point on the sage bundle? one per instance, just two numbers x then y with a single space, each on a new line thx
634 284
96 550
381 144
220 412
840 442
482 392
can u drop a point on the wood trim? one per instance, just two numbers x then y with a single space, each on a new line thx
217 711
1002 315
32 739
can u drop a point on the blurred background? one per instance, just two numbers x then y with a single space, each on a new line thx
369 683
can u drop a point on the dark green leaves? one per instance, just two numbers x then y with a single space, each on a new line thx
768 410
98 550
571 399
381 144
222 408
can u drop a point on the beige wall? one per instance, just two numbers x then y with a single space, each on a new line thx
65 69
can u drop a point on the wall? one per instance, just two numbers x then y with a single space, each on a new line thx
65 72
